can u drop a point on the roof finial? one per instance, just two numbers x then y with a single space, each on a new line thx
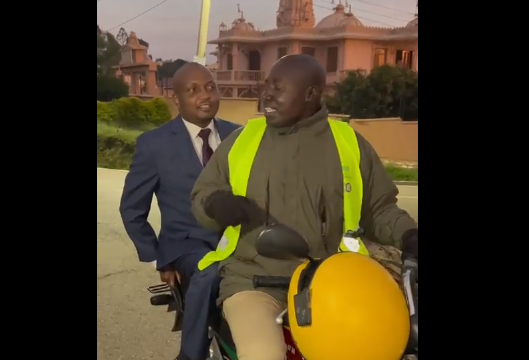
239 11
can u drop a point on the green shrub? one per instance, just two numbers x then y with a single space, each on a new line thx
161 113
135 113
115 146
120 122
131 111
110 88
106 112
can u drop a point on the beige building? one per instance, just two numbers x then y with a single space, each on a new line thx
340 41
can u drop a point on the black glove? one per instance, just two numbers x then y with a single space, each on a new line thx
410 250
410 245
227 209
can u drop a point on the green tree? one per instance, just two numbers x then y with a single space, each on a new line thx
387 91
110 88
168 68
108 52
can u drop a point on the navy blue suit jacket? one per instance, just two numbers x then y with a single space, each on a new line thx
166 164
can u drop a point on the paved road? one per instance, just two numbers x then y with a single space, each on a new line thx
128 328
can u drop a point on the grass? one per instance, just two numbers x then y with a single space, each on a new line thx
115 145
115 149
403 174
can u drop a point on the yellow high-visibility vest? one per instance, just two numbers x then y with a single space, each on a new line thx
240 161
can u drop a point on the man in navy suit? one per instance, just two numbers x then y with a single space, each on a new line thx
167 162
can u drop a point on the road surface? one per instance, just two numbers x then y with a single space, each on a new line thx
128 328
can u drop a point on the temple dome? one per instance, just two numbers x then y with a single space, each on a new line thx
351 20
241 24
338 18
413 23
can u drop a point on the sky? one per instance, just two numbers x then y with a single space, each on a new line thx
171 29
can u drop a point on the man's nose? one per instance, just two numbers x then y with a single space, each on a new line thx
204 94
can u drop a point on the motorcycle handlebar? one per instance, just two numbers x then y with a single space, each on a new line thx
280 282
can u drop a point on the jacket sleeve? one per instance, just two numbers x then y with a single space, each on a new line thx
140 184
215 176
382 220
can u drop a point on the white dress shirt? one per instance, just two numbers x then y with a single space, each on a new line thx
214 138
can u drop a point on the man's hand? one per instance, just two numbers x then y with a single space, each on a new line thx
410 245
227 209
169 276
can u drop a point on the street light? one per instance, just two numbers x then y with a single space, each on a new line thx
200 56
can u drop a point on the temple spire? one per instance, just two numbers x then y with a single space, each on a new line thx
295 13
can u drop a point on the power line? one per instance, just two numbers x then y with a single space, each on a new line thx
374 4
383 6
377 14
360 17
137 16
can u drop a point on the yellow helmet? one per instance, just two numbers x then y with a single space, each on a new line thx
351 309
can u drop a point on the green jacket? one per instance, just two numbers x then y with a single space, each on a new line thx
297 171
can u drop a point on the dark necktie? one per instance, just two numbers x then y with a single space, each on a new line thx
207 151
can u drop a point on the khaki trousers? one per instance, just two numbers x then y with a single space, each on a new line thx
251 317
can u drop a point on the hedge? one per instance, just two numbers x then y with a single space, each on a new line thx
120 122
133 112
116 146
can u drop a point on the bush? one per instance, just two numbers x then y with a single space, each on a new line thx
120 122
115 146
134 113
110 88
105 112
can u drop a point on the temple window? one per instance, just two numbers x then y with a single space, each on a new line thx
380 57
282 51
307 50
404 58
254 60
229 61
332 59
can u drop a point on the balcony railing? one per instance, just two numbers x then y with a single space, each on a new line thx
239 76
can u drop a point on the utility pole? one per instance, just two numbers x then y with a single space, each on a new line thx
200 56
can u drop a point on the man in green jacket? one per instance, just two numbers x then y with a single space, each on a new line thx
296 179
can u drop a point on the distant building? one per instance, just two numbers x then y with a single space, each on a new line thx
339 41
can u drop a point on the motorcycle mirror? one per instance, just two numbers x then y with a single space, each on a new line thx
282 243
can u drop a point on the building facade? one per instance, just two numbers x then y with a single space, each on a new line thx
340 41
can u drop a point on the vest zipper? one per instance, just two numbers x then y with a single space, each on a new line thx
267 201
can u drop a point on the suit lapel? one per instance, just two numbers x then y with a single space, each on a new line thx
223 129
184 145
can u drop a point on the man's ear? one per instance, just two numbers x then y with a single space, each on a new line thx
312 93
176 101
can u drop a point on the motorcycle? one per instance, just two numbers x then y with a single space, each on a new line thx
282 243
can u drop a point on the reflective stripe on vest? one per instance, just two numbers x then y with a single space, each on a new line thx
240 161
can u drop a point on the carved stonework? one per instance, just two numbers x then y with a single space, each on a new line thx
295 13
